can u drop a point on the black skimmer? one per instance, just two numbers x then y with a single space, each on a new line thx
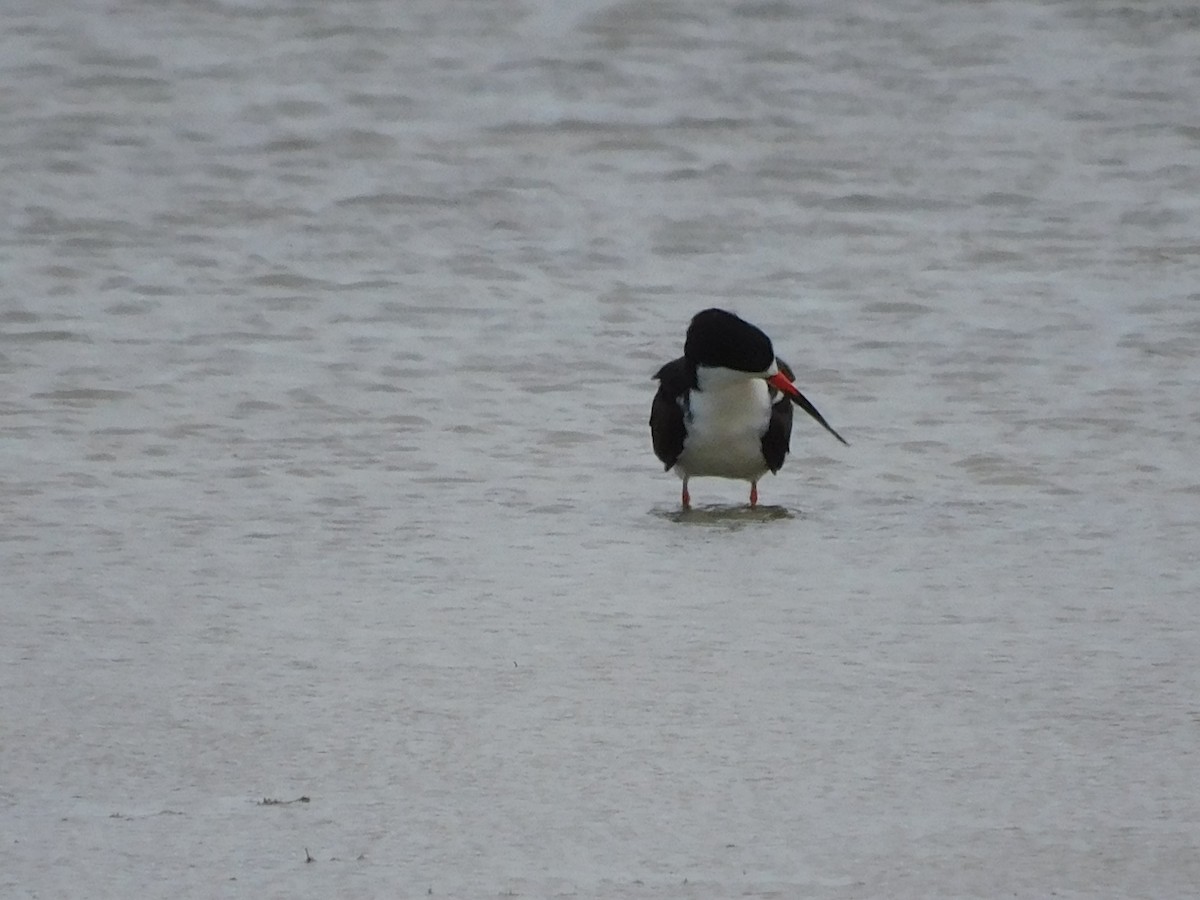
719 410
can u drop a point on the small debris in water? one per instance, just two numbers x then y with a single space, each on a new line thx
271 801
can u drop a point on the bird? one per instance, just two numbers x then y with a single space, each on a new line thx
724 408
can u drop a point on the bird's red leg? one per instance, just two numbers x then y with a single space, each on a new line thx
686 498
754 493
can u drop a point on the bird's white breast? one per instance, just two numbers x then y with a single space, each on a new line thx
725 424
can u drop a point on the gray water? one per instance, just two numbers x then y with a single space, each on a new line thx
326 335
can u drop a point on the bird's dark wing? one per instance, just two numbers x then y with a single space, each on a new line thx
776 441
667 429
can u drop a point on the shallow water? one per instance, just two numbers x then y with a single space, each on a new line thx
326 337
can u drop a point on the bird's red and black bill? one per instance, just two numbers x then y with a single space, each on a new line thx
781 382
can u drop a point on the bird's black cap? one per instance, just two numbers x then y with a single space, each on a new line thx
719 338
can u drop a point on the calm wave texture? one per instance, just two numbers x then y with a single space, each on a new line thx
330 528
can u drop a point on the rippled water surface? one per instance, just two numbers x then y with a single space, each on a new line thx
326 335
